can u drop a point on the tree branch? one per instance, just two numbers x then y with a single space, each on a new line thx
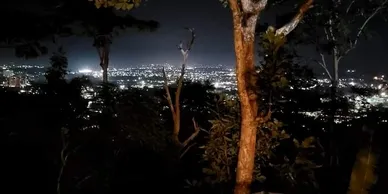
324 66
168 96
175 107
353 45
185 50
186 150
177 121
286 29
192 136
350 6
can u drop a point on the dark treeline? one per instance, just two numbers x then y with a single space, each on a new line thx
132 141
54 143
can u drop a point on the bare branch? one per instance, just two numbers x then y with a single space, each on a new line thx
185 50
192 136
186 150
83 180
327 35
191 42
324 66
363 26
286 29
350 6
168 96
175 107
331 33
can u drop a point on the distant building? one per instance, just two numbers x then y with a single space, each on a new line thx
14 82
8 73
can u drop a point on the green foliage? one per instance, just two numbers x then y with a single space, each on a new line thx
117 4
273 69
220 153
291 161
282 82
58 69
363 175
129 115
44 21
28 35
299 170
139 118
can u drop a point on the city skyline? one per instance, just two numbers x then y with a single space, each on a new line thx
214 44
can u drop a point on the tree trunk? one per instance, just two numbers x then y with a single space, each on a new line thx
245 15
104 64
105 75
333 171
333 161
247 144
244 38
102 43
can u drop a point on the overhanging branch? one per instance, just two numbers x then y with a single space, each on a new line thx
363 26
290 26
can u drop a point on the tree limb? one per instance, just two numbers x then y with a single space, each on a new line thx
185 50
286 29
350 6
177 121
168 96
175 107
186 150
375 12
322 63
192 136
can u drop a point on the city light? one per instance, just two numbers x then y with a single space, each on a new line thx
85 71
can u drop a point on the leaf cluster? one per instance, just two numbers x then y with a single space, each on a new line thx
117 4
220 151
58 69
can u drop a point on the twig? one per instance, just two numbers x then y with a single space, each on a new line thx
186 150
192 136
375 12
324 66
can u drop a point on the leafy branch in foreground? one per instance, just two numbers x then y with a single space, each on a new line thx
363 175
117 4
220 151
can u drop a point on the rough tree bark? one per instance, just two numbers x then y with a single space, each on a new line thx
102 44
245 16
175 106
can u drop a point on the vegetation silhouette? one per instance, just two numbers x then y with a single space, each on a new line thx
73 136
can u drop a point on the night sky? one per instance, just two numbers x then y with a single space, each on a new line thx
214 43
